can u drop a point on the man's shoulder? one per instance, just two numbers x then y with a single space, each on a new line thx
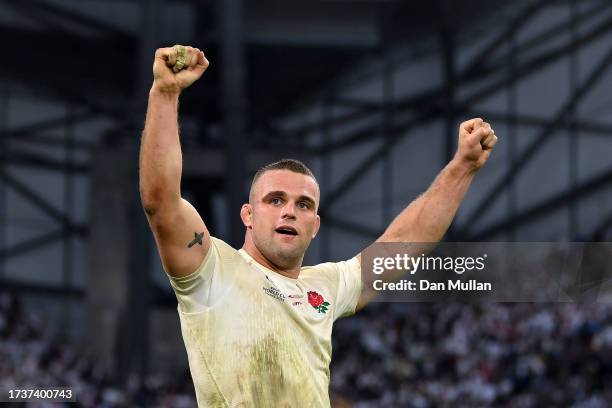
331 267
224 251
219 243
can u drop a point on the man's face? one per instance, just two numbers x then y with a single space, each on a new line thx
283 216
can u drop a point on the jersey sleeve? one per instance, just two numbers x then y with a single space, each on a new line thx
349 287
193 291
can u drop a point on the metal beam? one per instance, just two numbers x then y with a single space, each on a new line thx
83 20
417 101
69 197
351 227
433 111
29 131
345 102
397 31
530 151
448 51
234 110
361 170
132 347
323 24
22 158
599 232
325 180
25 288
600 129
511 128
513 27
560 29
57 82
33 244
572 147
50 141
544 207
25 10
4 112
387 120
543 60
447 46
423 101
40 202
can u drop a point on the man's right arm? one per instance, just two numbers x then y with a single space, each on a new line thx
181 236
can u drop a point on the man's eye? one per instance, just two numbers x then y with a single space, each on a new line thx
303 204
275 201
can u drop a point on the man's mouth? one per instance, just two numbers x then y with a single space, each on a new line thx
286 230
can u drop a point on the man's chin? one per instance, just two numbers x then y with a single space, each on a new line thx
288 245
288 257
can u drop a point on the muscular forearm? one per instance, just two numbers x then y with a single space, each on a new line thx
428 217
160 150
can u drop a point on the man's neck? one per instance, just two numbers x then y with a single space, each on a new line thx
258 257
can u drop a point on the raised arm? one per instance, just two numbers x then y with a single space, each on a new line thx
181 236
427 218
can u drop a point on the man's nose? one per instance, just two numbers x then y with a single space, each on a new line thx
288 211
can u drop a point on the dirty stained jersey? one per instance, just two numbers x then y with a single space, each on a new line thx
256 338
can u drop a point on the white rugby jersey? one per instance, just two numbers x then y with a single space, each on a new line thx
257 338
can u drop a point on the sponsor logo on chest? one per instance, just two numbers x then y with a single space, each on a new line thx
315 299
275 293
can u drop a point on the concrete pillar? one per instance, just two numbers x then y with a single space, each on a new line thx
234 111
106 285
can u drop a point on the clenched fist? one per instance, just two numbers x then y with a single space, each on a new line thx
476 141
175 68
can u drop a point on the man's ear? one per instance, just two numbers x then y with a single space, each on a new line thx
246 213
317 226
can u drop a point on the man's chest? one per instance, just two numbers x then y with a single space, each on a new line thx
307 299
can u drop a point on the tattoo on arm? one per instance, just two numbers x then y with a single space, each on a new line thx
196 240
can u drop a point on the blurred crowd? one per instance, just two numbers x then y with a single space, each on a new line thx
495 354
389 355
30 357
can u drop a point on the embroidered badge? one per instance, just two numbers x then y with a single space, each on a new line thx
317 301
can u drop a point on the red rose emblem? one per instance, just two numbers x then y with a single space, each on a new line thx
318 302
315 299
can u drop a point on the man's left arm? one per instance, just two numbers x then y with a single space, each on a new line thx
427 218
